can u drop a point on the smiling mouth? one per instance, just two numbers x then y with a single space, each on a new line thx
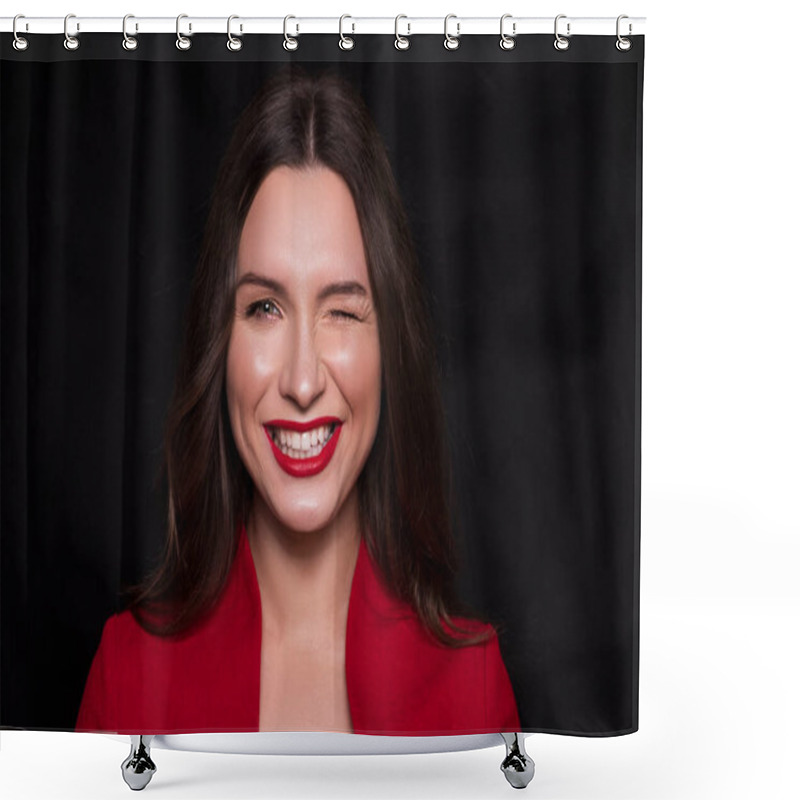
301 446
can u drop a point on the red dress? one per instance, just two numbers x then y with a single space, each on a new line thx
400 681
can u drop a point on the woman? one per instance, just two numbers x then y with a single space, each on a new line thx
307 580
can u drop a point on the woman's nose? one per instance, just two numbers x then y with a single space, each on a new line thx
303 376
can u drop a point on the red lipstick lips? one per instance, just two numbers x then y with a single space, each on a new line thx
304 467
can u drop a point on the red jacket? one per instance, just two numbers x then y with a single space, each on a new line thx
399 679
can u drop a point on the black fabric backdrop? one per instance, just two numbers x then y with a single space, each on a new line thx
521 175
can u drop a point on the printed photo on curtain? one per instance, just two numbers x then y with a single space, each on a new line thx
320 385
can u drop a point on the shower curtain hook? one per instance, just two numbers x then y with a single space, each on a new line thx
451 42
20 42
71 42
234 44
507 42
561 43
129 42
401 42
182 42
289 43
622 43
345 42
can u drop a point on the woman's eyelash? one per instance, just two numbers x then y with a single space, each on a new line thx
345 314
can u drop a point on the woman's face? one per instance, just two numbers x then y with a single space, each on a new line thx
303 370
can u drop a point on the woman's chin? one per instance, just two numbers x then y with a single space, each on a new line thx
305 520
304 509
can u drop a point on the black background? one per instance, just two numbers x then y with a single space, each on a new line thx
521 175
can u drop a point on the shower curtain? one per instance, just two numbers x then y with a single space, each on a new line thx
519 175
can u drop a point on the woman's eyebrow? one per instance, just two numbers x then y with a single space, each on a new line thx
251 279
338 288
342 287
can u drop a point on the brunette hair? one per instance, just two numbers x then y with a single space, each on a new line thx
302 121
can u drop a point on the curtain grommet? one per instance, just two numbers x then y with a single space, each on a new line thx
401 42
182 42
20 42
71 42
346 42
289 42
623 44
451 42
129 42
233 44
561 43
508 42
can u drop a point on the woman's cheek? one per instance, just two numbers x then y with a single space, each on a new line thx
356 362
353 344
251 360
247 368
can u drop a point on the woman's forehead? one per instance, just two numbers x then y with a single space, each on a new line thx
303 222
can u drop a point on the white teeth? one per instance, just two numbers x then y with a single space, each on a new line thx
302 445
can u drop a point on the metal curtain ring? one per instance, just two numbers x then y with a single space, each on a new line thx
401 42
561 43
451 42
71 42
234 44
346 42
622 43
182 43
507 42
129 42
289 43
20 42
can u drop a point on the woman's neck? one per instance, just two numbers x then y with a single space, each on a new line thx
304 577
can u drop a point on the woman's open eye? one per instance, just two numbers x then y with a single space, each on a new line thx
261 308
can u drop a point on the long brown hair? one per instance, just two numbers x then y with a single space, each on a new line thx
405 488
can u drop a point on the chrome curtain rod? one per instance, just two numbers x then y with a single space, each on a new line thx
298 25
